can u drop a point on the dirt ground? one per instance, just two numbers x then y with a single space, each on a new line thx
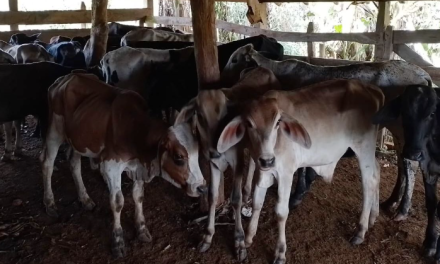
317 232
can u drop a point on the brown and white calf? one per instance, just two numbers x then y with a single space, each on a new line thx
146 34
212 110
391 76
310 127
113 126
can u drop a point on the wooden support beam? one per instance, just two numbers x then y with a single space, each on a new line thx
13 6
83 7
383 20
410 55
418 36
388 43
70 16
96 47
203 22
321 50
310 48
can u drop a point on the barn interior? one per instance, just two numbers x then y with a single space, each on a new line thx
318 231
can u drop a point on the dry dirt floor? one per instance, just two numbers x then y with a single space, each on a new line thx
318 231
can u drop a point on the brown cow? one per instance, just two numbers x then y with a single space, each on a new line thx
212 110
112 125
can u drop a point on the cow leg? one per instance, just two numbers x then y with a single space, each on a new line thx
236 201
282 211
370 184
53 141
264 182
112 175
216 175
18 141
410 168
430 182
139 218
75 168
399 187
306 176
8 141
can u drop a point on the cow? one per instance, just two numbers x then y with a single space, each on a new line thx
212 110
310 127
22 38
26 53
419 109
146 34
68 54
117 130
391 76
59 39
24 92
119 29
159 44
130 68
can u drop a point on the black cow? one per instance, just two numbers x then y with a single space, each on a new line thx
419 110
21 38
68 54
115 28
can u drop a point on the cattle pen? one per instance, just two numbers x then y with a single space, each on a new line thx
317 232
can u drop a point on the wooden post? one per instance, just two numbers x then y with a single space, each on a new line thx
13 6
257 14
83 7
97 44
203 21
383 21
322 50
150 4
310 48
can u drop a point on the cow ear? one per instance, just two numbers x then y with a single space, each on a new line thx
186 113
231 135
389 112
295 131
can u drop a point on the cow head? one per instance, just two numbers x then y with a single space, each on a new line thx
263 121
21 38
179 160
417 107
206 110
239 60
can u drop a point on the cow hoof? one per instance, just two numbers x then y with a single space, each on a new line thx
52 211
356 240
145 237
294 204
5 158
203 246
241 253
279 261
118 250
400 217
88 205
429 252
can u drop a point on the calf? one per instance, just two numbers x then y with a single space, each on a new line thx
21 38
312 127
116 130
391 76
212 110
24 92
146 34
418 108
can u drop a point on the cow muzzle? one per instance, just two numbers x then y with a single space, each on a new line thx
196 190
266 162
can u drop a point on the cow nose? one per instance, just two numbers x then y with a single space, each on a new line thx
202 189
266 163
213 154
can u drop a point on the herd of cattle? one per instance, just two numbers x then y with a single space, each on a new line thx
289 114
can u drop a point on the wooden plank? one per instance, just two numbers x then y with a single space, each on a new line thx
13 6
409 55
47 34
388 43
418 36
383 20
366 38
68 17
310 48
96 47
257 13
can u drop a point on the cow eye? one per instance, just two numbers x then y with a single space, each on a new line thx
178 160
248 124
278 123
